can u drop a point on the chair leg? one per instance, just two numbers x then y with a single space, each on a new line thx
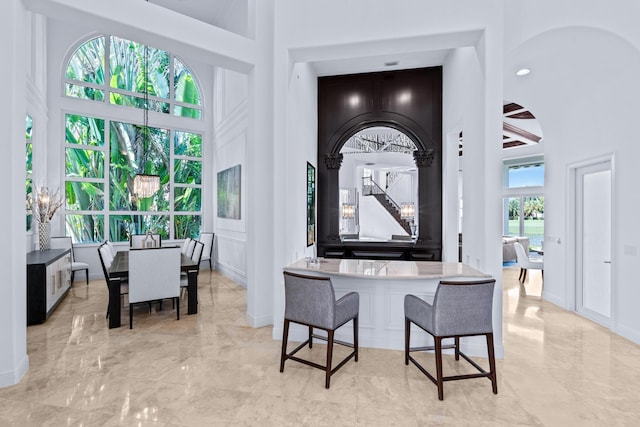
210 266
524 275
355 337
177 307
130 316
439 382
285 336
457 349
329 357
87 273
73 273
407 336
107 316
492 364
310 336
520 276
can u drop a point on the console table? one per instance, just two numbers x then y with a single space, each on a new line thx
48 282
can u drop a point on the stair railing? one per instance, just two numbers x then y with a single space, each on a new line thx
370 188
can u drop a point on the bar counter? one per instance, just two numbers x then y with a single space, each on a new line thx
382 286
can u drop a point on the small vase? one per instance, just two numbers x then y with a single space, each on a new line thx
44 236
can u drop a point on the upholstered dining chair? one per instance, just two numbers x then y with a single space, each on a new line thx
154 274
525 263
459 309
310 301
104 253
185 246
207 239
196 256
141 241
66 243
112 248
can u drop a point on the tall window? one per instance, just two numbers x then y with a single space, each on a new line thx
29 169
104 153
524 200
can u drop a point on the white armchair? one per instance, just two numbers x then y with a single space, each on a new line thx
154 274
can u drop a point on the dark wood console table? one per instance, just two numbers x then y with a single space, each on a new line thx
48 282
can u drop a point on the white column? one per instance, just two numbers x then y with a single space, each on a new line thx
14 361
260 174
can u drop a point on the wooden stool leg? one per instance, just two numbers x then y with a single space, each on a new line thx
355 337
492 364
439 382
329 356
285 336
310 336
407 336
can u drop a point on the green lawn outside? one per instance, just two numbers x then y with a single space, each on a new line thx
533 228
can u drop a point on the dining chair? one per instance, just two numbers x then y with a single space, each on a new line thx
459 309
66 243
525 262
154 274
143 241
207 239
104 253
185 246
311 301
112 248
196 257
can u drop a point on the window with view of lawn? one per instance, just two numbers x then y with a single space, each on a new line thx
524 200
105 151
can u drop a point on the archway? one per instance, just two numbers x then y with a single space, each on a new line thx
409 101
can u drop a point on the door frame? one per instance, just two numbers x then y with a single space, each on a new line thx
572 238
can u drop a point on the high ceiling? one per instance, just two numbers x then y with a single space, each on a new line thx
520 127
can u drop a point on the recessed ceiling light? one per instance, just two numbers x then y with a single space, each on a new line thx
391 63
523 72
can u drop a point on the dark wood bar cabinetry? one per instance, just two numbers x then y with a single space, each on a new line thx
48 281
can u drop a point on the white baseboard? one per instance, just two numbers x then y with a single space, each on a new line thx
629 333
258 322
13 377
232 273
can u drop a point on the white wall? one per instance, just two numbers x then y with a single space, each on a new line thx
14 361
302 36
230 150
583 88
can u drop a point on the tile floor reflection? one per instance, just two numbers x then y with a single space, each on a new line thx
212 369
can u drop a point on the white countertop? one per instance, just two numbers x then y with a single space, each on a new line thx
381 269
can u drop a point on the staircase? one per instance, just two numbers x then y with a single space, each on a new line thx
370 188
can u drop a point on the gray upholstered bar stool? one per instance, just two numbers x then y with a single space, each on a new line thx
459 309
311 301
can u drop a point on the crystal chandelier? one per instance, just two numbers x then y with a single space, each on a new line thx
146 185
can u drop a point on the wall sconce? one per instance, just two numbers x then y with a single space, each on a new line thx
348 210
407 211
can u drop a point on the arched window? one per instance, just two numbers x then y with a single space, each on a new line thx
105 151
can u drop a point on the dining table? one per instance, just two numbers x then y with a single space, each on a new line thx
120 270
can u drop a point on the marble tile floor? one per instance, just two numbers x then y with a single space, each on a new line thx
212 369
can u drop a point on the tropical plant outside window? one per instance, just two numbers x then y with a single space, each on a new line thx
103 154
29 170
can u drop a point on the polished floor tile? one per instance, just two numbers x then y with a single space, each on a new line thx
213 369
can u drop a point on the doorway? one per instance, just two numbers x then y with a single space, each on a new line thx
593 241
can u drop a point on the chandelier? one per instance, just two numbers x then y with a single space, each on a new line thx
146 185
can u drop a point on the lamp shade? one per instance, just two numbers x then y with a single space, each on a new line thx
348 210
146 185
407 210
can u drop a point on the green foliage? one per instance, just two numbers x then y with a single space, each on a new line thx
131 149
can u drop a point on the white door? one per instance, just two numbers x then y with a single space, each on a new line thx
593 233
